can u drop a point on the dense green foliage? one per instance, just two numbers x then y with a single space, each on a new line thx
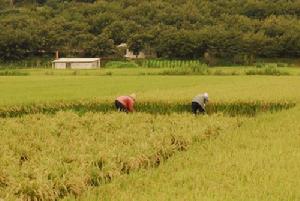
238 30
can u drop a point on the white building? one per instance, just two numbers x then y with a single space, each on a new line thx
129 54
76 63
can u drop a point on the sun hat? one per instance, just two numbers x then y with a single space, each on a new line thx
133 96
205 95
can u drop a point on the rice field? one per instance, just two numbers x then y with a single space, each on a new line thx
259 160
61 138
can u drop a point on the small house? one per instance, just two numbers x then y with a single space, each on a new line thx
145 53
76 63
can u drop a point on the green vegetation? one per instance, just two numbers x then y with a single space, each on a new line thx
13 73
125 69
120 64
155 63
172 29
32 89
81 107
34 62
269 70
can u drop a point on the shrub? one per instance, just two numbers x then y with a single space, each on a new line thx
260 65
269 70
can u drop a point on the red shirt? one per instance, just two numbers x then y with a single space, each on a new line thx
127 101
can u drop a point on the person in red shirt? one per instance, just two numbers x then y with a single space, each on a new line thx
125 103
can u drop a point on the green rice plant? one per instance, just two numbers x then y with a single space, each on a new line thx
83 106
163 63
148 63
191 70
121 64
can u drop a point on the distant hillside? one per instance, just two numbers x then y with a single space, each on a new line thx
236 29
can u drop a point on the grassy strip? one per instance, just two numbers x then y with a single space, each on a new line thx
231 108
13 73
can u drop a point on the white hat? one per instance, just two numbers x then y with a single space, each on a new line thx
205 95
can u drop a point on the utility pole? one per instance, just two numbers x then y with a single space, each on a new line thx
57 55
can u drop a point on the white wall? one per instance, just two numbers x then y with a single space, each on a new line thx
129 54
60 65
78 65
84 65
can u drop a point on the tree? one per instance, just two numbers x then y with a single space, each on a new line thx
119 31
16 44
174 28
99 22
100 46
138 42
173 43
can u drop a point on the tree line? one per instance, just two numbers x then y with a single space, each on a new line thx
183 29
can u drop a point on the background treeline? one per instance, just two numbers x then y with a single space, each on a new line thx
184 29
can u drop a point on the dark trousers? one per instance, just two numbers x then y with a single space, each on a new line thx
120 106
196 107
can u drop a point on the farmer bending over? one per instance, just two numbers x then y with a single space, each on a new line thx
125 103
198 103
